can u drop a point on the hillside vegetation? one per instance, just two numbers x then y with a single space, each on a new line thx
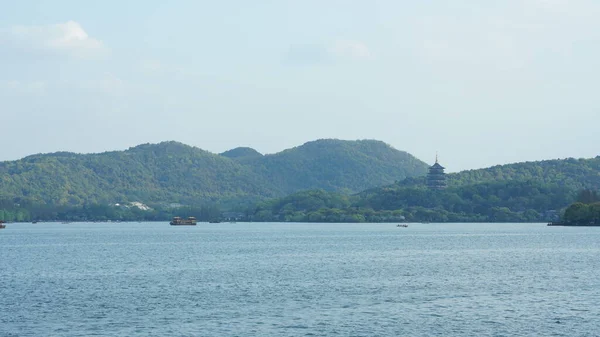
532 191
572 173
320 181
172 172
335 165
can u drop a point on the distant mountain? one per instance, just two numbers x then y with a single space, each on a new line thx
165 172
540 186
242 154
171 172
336 165
530 191
573 173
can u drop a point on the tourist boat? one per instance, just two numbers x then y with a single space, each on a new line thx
402 225
177 221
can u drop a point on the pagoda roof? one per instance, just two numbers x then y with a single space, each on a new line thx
437 166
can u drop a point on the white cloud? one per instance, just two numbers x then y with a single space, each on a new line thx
67 38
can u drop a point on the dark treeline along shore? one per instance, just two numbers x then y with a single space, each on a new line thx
584 212
326 180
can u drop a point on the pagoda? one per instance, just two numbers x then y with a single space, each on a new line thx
436 178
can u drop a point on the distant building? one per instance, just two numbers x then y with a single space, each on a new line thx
436 178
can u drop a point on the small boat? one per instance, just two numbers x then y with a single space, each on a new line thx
402 225
177 221
2 225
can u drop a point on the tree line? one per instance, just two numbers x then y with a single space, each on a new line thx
586 211
27 211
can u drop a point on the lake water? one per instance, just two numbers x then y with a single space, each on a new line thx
270 279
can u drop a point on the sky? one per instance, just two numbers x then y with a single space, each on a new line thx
481 83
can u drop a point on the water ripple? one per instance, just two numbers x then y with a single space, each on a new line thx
151 279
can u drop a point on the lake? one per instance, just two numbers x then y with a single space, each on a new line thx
282 279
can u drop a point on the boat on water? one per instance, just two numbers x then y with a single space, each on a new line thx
2 225
401 225
178 221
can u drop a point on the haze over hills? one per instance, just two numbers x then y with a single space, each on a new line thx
171 172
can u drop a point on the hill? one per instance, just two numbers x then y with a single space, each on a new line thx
531 191
242 154
167 172
337 165
572 173
171 172
528 191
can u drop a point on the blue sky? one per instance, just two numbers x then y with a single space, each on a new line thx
480 82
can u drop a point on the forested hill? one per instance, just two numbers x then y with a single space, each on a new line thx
335 165
542 187
171 172
242 154
572 173
531 191
167 172
575 174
